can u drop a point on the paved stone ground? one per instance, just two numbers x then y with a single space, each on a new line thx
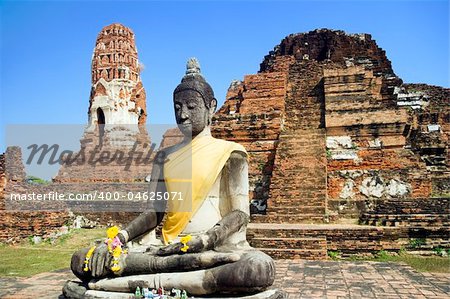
299 278
328 279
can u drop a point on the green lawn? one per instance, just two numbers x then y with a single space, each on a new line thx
436 264
26 259
420 263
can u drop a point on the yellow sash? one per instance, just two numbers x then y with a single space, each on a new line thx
192 171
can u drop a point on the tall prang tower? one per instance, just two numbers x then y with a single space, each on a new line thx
116 115
117 94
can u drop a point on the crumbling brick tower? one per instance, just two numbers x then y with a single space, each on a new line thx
332 134
310 87
117 111
117 96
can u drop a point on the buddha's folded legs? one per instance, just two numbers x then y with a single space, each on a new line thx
144 263
254 271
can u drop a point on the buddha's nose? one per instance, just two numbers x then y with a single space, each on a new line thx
184 115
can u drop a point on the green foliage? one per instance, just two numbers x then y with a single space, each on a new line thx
36 180
439 250
334 255
416 243
329 154
382 254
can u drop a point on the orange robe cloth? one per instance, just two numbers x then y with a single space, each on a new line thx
192 171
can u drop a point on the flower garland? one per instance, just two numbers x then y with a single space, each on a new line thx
87 258
114 247
184 240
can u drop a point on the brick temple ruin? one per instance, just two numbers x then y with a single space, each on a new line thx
343 155
334 136
117 110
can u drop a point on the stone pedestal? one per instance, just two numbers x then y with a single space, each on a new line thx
75 289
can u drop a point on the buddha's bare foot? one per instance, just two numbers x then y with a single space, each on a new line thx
73 289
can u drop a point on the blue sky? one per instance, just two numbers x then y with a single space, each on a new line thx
46 47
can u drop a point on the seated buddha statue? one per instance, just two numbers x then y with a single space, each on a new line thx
212 177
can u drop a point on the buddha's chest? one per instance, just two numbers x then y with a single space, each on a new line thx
209 213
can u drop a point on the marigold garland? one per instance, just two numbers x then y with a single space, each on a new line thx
184 240
112 232
87 258
114 247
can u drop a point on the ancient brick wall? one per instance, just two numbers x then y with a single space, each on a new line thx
429 130
313 241
15 225
365 142
324 45
252 116
115 156
2 181
23 218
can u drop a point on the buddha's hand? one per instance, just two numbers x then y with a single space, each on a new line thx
99 263
196 244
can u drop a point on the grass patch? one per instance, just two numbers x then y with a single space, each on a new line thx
26 259
434 264
421 263
334 255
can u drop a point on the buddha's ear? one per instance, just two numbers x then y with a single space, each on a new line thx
213 106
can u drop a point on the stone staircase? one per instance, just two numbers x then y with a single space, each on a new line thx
298 190
298 183
283 242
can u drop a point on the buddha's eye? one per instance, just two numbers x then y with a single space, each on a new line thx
177 107
191 106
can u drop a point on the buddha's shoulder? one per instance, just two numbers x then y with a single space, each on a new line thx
169 150
231 145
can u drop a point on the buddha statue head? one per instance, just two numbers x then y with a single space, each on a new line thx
193 101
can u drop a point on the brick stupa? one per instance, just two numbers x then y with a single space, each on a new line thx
117 112
117 96
334 135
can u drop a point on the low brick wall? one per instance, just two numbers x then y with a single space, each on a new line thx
347 239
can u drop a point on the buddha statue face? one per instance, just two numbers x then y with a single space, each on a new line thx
193 101
191 112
